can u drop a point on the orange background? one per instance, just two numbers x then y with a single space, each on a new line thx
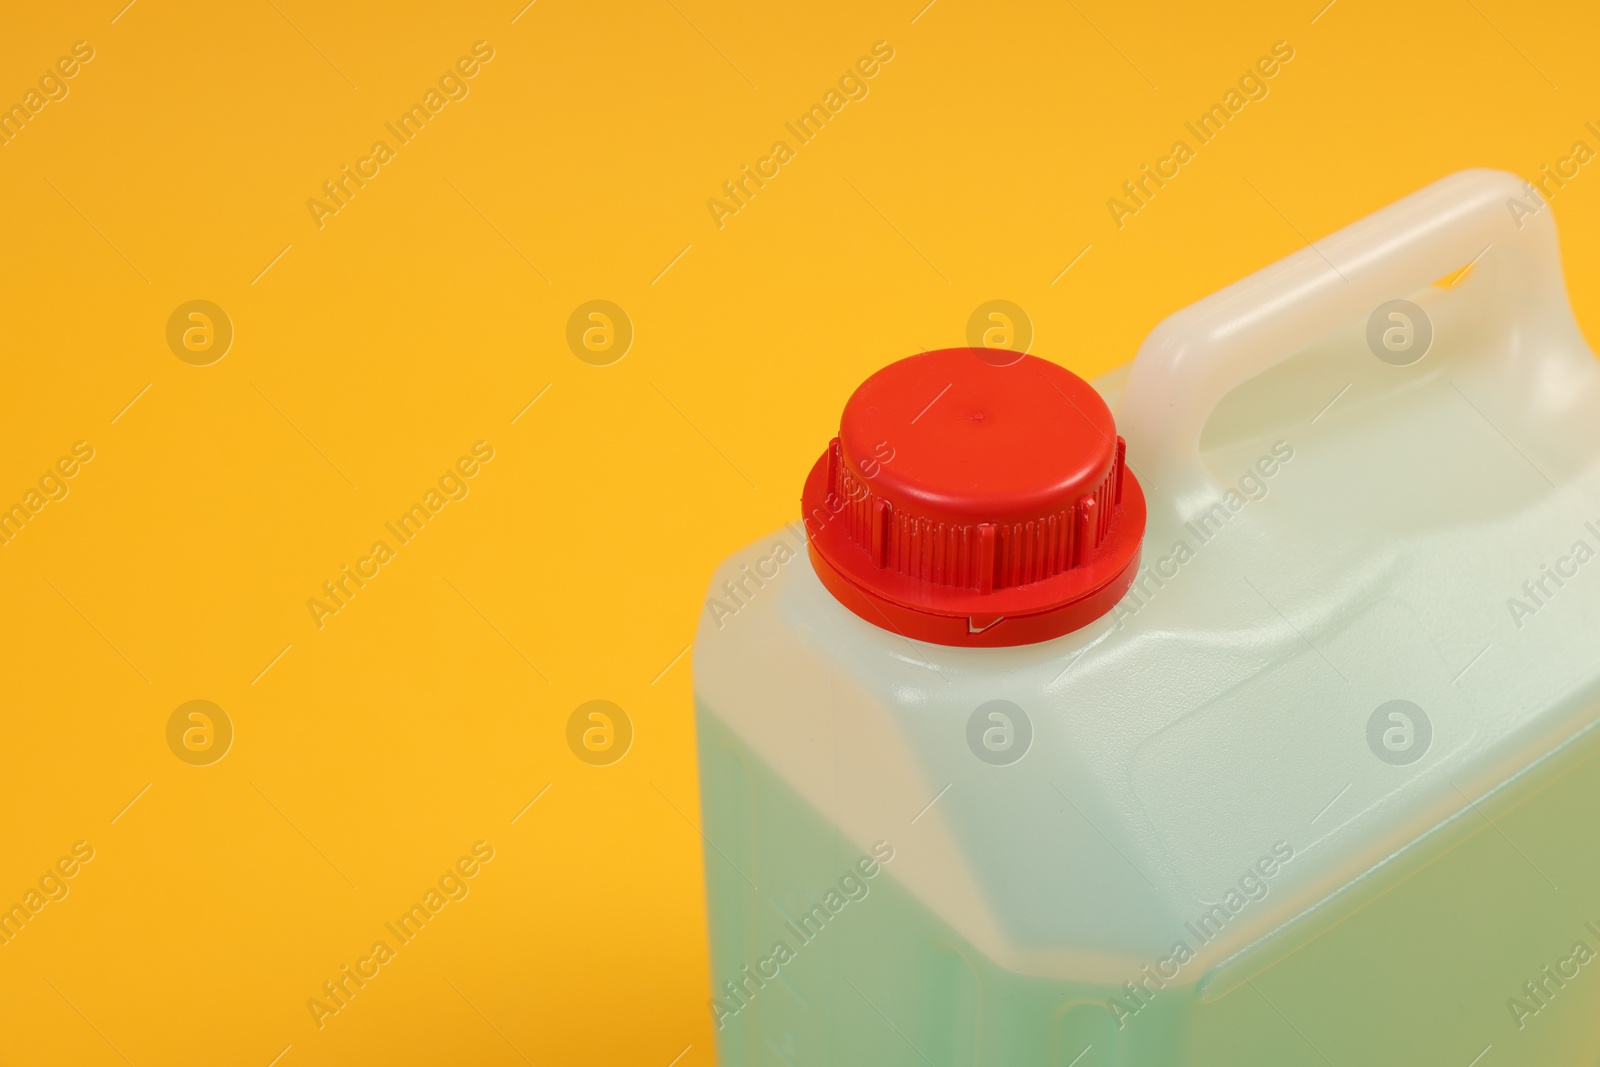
370 353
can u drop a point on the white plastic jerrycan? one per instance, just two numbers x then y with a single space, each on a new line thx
1264 739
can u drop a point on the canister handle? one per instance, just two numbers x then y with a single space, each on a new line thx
1195 357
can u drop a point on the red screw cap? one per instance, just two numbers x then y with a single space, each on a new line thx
975 496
